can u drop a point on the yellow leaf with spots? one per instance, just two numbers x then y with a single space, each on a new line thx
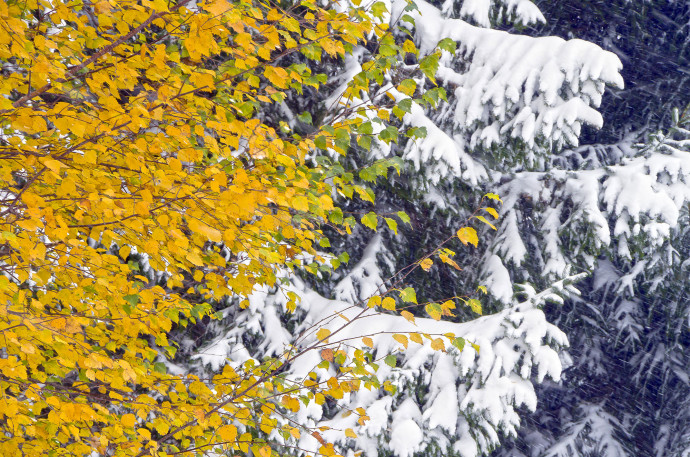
437 344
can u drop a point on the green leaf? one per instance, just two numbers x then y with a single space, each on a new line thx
459 343
429 65
378 9
389 134
336 216
407 18
416 132
447 45
320 142
405 105
483 219
365 193
366 128
370 220
434 311
397 112
391 360
305 117
408 295
392 224
367 174
411 6
344 257
408 87
403 217
475 305
364 142
131 299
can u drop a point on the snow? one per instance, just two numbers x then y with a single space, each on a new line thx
540 90
497 279
508 340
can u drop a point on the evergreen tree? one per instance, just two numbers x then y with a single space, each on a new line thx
492 111
626 391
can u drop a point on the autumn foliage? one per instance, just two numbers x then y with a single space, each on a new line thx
132 126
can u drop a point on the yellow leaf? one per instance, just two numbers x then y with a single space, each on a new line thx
68 187
416 337
475 305
227 433
277 76
492 211
244 441
468 235
194 258
350 433
217 7
408 315
53 165
300 203
426 264
210 233
446 259
388 303
124 252
141 208
402 339
437 344
493 196
323 334
484 220
368 341
265 451
434 310
162 428
374 301
128 420
319 398
175 164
